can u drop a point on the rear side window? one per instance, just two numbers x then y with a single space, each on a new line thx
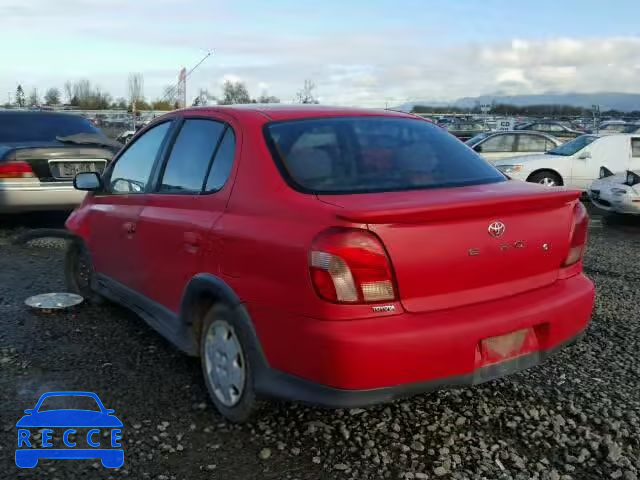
221 167
635 147
373 154
532 143
132 170
498 143
191 155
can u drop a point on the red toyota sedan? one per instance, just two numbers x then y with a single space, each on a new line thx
336 256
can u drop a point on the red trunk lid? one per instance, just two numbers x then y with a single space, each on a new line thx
442 251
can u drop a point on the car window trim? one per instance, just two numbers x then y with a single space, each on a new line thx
204 191
106 175
157 179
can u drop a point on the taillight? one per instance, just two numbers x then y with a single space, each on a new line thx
351 266
16 169
578 242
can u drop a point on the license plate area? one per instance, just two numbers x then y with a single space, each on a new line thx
67 169
510 345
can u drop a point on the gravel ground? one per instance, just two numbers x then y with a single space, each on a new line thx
575 417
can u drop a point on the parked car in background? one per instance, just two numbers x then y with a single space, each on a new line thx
557 129
495 146
612 126
41 152
335 256
576 163
619 127
465 130
618 193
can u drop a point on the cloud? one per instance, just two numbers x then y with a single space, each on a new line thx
350 63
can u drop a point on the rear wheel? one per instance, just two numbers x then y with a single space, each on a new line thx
546 178
79 272
226 367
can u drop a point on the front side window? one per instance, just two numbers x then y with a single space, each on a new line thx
190 156
498 143
373 154
132 170
531 143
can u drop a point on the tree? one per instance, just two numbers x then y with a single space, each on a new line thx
33 100
52 97
136 90
68 91
234 93
20 96
265 98
203 98
162 104
306 94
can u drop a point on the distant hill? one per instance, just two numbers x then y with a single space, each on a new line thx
624 102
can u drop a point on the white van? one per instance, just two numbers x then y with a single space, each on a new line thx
576 163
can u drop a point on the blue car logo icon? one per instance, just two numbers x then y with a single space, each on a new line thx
102 439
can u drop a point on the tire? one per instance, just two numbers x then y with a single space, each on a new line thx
226 366
78 272
547 178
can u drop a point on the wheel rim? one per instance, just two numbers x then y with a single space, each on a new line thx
224 362
547 182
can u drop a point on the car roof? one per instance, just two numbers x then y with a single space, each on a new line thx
291 112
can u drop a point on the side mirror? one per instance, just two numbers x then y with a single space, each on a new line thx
29 410
584 155
478 148
632 178
89 181
605 172
109 411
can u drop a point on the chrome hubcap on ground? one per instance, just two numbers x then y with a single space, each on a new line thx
224 362
548 182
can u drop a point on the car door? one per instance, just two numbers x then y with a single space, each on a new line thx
611 152
114 212
191 194
497 147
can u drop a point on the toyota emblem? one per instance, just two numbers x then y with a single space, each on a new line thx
496 229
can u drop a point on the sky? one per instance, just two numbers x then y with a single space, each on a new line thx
365 53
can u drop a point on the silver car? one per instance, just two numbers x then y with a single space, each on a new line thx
41 152
495 146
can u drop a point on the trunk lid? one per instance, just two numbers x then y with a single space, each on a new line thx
441 247
59 164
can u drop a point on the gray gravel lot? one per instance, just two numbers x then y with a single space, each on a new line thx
575 417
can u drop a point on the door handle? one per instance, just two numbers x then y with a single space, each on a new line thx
129 227
191 238
192 241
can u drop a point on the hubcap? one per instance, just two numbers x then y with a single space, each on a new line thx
224 362
548 182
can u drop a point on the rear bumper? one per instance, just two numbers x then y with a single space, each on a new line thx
348 363
279 384
16 197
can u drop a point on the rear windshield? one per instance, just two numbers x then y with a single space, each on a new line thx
34 127
373 154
